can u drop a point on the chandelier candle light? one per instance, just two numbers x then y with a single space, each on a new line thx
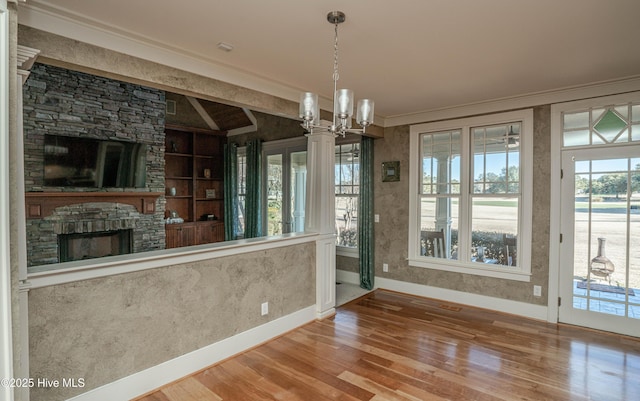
342 99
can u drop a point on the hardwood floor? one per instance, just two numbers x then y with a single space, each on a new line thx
390 346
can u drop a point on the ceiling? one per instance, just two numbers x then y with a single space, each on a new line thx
410 56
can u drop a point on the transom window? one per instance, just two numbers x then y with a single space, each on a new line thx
601 125
471 205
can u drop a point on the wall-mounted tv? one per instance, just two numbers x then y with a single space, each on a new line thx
93 163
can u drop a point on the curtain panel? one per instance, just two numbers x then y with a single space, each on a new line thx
253 202
231 223
365 215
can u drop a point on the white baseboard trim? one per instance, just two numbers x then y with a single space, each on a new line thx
343 276
481 301
147 380
325 314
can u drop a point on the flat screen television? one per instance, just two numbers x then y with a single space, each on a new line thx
93 163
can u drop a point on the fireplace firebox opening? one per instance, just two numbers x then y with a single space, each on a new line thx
94 245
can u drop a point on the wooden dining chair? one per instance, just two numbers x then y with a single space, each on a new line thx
510 248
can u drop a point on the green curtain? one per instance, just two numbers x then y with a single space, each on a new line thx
253 204
231 223
365 215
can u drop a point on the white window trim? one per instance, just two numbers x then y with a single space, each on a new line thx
523 271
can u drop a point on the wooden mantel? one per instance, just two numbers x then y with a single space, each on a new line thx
41 204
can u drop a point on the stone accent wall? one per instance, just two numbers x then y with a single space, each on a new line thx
62 102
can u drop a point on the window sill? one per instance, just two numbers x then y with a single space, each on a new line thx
476 269
346 251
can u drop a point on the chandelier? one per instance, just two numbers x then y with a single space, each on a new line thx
342 99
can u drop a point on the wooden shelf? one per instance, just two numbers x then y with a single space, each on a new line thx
193 166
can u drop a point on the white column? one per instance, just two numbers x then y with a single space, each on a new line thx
320 217
443 205
6 344
320 209
26 58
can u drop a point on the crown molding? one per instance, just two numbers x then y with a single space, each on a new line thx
597 89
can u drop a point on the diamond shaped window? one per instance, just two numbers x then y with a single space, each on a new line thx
610 126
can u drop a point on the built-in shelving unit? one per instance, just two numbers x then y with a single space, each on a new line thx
194 182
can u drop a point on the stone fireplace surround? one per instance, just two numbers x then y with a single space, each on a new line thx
57 101
88 218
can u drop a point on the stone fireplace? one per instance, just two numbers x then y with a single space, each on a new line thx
71 223
87 230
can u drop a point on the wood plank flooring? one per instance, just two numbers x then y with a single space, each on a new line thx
390 346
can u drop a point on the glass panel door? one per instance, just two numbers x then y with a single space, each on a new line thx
600 262
285 182
275 194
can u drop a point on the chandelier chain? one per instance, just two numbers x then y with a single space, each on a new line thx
336 76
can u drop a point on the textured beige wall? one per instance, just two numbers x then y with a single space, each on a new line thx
107 328
392 203
348 264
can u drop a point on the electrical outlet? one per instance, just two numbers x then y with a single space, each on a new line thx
265 308
376 218
385 267
537 291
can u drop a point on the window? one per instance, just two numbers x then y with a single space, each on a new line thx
347 190
470 185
